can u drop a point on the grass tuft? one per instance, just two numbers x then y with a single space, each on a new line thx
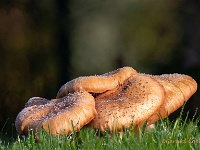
178 134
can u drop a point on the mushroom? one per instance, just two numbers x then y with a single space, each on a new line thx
113 101
58 116
138 98
178 88
116 108
97 84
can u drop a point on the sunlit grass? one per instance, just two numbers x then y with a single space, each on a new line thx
180 134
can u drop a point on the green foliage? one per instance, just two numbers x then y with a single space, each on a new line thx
181 134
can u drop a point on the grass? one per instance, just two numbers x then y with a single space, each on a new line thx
167 135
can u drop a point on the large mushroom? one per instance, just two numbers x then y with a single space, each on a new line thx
118 108
58 116
113 101
142 100
138 98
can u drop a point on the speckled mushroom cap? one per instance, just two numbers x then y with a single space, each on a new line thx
97 84
36 101
58 115
131 103
179 88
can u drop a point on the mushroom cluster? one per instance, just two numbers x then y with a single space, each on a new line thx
113 101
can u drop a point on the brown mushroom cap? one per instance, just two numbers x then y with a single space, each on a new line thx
57 115
185 83
83 112
36 101
179 88
97 84
131 103
32 113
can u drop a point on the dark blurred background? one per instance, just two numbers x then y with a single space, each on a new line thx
44 44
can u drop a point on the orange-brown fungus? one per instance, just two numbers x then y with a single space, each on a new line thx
178 88
97 84
131 103
114 100
57 115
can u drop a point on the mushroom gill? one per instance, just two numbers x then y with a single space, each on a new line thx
57 116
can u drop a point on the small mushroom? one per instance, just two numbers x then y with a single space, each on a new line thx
97 84
178 88
57 116
132 103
